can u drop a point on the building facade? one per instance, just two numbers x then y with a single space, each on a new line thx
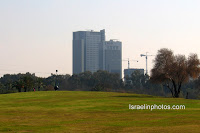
86 50
92 53
113 57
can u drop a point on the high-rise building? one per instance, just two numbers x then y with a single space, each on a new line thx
92 53
87 51
113 57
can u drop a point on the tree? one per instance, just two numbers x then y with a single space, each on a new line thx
174 70
19 85
39 83
28 82
105 81
102 80
138 79
86 80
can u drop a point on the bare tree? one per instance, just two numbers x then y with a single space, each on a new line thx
174 70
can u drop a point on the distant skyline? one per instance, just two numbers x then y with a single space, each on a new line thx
36 35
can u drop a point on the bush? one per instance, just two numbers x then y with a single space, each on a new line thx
49 88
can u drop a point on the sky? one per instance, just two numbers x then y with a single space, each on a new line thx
36 35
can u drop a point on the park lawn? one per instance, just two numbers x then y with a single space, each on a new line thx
78 111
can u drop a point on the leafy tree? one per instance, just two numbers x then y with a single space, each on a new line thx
39 83
138 79
86 79
74 82
28 83
19 85
174 70
105 80
1 85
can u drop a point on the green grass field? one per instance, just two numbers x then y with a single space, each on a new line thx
76 111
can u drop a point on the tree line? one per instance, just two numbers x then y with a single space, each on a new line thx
172 76
98 81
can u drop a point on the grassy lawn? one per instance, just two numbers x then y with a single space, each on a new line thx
76 111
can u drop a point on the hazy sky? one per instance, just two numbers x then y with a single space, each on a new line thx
36 35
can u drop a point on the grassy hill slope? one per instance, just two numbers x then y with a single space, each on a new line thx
76 111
